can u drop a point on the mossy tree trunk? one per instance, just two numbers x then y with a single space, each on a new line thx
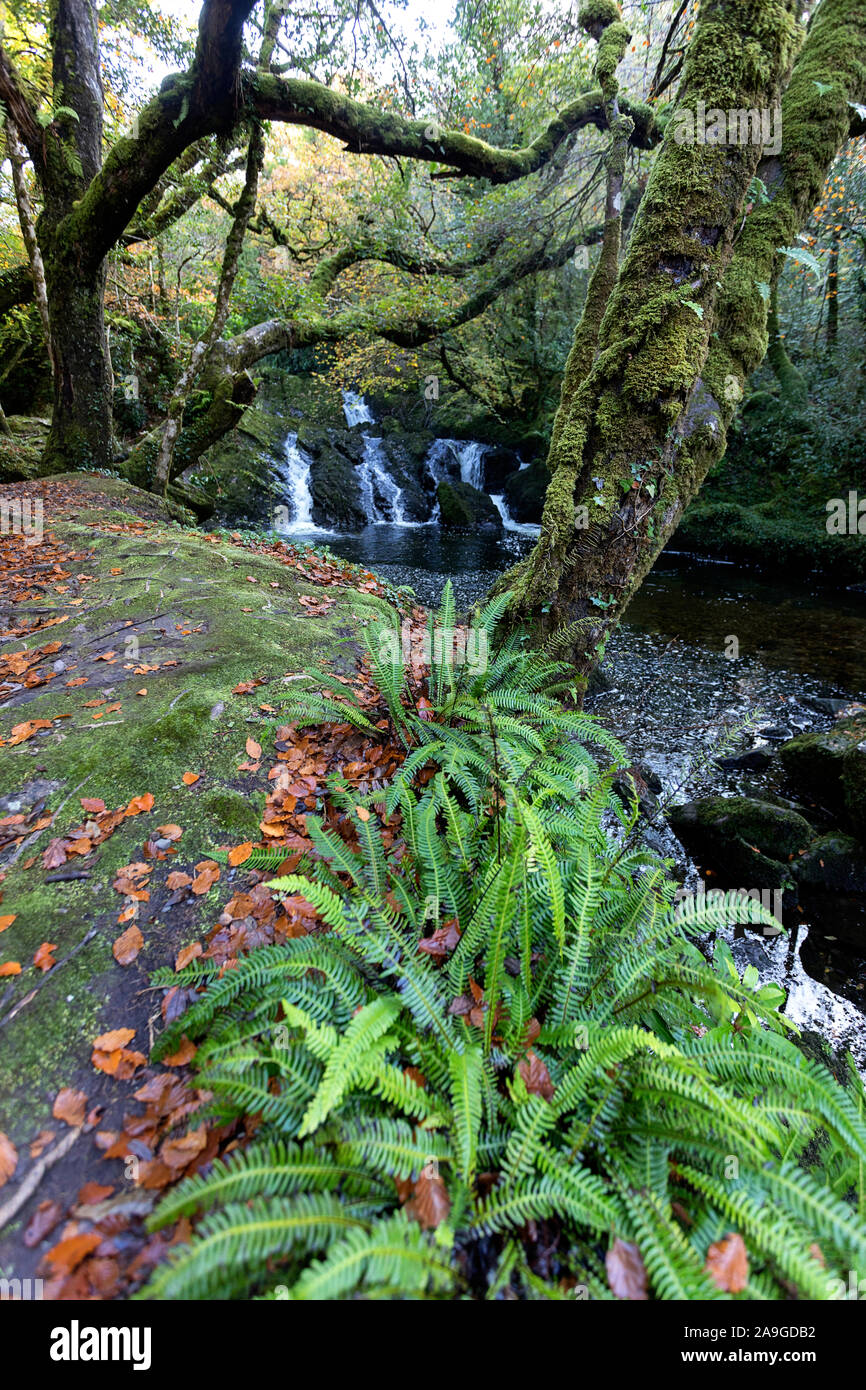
687 320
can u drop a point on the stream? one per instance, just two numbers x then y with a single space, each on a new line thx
708 652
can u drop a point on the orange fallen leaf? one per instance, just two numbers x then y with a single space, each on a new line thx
67 1255
207 873
8 1158
190 778
92 803
169 832
44 957
11 967
177 879
240 854
118 1037
141 692
140 803
254 750
184 1054
7 920
363 813
188 953
727 1264
127 946
70 1106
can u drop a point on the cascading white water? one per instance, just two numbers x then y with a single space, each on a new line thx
527 528
378 487
471 455
296 512
356 409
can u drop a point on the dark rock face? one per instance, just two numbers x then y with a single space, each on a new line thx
335 489
461 505
746 841
829 768
525 491
834 862
499 465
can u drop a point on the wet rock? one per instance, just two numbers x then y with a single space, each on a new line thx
461 505
335 489
525 492
499 465
747 841
825 705
834 862
756 760
776 733
829 768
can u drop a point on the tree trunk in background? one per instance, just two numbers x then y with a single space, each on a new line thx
81 433
686 322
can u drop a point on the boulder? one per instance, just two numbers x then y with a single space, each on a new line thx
835 863
525 492
335 490
463 506
828 767
748 842
499 465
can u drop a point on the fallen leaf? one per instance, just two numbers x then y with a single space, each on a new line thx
44 957
141 692
8 1158
177 879
169 832
7 920
118 1037
190 778
430 1204
184 1054
140 803
626 1274
535 1075
92 803
42 1222
70 1106
127 946
187 954
240 854
727 1264
11 967
206 876
67 1255
254 750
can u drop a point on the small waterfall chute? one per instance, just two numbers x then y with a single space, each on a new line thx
295 513
356 409
381 497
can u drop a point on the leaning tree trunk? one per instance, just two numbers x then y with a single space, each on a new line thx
686 322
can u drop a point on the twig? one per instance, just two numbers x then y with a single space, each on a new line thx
34 1177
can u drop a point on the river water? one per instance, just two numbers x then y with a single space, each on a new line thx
678 686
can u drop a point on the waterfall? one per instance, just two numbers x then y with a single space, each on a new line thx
527 528
471 457
378 489
296 514
356 410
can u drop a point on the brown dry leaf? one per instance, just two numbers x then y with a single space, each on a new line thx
206 875
8 1158
41 1142
118 1037
187 954
363 813
177 879
67 1255
626 1274
240 854
169 832
93 1192
44 957
442 941
92 803
70 1106
127 946
7 920
254 750
139 804
728 1264
535 1075
190 778
43 1220
431 1204
177 1153
184 1054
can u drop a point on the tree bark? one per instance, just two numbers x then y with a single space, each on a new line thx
686 323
